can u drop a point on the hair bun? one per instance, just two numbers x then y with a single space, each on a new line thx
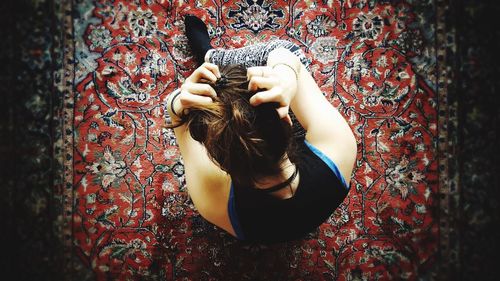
221 83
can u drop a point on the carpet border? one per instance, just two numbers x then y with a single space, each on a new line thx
64 113
449 184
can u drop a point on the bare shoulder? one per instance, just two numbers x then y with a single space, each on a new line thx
211 197
207 184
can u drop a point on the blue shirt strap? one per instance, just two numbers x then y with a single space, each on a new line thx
329 162
233 215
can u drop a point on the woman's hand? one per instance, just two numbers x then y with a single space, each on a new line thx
279 85
195 90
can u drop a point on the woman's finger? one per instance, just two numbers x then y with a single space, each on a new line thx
188 100
258 82
200 74
288 119
212 68
273 95
204 73
261 71
283 111
199 89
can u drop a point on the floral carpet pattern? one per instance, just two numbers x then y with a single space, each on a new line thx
127 211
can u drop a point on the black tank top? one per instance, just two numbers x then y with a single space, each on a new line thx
260 217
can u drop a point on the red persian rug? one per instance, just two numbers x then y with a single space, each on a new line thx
127 213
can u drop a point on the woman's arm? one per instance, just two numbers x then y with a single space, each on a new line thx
326 128
207 184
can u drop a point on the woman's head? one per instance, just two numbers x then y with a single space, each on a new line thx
247 142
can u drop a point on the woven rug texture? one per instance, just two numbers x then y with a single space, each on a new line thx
92 182
127 209
96 187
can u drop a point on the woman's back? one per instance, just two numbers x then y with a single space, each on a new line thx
260 216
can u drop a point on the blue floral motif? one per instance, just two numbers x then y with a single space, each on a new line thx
142 23
325 49
356 68
109 169
321 26
368 26
100 37
255 15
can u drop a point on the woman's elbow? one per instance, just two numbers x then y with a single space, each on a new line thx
351 146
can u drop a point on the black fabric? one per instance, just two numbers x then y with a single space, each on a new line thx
198 38
264 218
282 185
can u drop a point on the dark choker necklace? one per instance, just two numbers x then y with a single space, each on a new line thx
281 185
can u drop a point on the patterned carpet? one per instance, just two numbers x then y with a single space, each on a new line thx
107 188
130 212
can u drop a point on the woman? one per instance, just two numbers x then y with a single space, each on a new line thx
245 172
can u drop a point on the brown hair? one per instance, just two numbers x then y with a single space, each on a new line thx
245 141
